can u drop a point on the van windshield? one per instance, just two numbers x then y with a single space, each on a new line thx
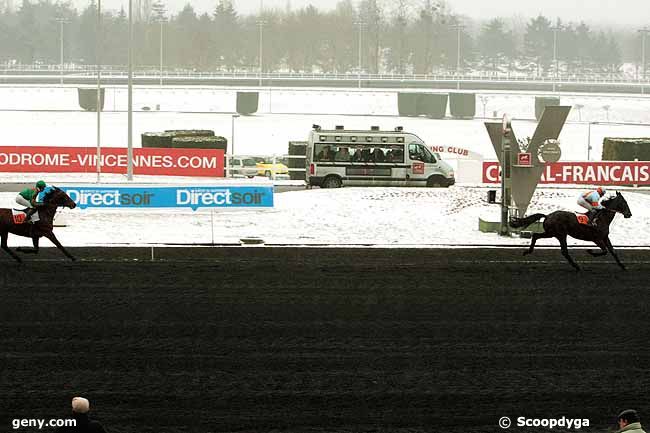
249 162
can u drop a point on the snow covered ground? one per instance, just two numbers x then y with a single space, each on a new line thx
394 217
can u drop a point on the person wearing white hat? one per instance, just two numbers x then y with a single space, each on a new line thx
80 409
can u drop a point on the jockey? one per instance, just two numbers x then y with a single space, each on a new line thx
590 200
27 198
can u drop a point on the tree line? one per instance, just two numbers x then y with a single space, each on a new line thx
409 36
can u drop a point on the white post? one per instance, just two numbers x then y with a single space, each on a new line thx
273 162
99 89
129 167
232 134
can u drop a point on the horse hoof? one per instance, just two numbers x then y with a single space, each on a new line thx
525 253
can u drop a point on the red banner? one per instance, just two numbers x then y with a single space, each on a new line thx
587 173
151 161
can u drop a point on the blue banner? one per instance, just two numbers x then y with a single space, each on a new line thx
193 197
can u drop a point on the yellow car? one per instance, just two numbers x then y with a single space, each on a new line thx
269 169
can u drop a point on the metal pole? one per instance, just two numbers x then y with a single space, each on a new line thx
99 89
555 62
161 52
61 21
589 142
232 135
458 61
644 31
360 24
505 177
261 41
129 167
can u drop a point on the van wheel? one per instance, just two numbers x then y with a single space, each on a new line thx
331 182
436 181
267 173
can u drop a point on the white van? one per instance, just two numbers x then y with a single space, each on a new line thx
373 158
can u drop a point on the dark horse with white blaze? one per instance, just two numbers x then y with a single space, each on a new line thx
55 198
561 224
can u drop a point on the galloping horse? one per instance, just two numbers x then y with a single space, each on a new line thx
561 224
43 227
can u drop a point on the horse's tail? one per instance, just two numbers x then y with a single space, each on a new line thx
517 223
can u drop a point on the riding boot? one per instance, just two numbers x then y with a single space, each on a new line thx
28 214
592 217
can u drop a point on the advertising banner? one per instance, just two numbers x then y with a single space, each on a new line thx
148 161
587 173
193 197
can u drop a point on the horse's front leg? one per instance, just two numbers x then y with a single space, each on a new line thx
56 242
565 252
610 247
33 250
3 243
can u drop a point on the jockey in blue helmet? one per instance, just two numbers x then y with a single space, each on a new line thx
590 200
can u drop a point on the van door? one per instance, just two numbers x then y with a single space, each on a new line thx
418 160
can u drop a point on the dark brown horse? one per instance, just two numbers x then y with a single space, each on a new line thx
43 227
561 224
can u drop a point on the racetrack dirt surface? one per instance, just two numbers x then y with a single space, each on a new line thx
324 340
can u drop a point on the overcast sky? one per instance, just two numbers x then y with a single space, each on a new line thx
620 12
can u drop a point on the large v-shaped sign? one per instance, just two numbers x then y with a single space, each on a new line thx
525 179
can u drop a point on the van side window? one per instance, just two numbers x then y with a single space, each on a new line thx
415 153
323 152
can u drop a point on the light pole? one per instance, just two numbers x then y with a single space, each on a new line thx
360 24
555 60
129 166
99 89
589 141
162 21
644 31
159 14
260 22
61 21
458 27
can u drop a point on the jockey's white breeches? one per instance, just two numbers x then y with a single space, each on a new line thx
23 202
584 203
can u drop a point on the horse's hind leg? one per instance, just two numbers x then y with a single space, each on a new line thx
610 247
602 246
3 244
565 252
30 250
534 239
56 242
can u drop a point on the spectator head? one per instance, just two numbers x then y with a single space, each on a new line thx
80 405
627 417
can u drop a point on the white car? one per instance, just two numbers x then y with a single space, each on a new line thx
243 166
